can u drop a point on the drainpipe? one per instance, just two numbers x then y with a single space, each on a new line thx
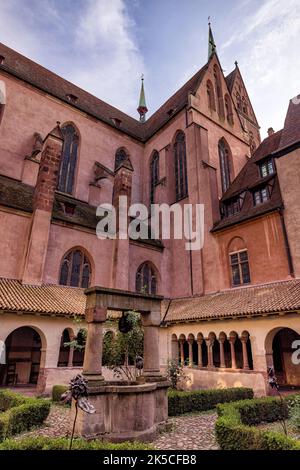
287 245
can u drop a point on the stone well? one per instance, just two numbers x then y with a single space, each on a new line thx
124 410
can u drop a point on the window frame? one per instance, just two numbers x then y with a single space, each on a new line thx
266 164
180 167
239 264
140 279
69 160
68 261
154 174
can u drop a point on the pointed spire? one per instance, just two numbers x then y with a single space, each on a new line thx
142 109
212 48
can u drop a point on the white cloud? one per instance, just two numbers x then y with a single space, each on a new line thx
270 61
115 64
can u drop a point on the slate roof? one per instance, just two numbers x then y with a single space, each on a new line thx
291 131
240 302
47 81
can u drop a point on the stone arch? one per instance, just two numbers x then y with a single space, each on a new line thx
236 244
245 336
279 355
175 347
86 254
122 156
184 349
25 356
226 348
154 279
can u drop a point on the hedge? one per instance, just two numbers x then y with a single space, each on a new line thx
46 443
57 391
235 426
202 400
20 413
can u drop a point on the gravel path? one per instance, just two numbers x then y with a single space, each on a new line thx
189 432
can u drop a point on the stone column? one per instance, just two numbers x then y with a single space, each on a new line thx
222 340
181 342
151 324
244 339
92 365
232 339
210 362
200 360
71 355
190 342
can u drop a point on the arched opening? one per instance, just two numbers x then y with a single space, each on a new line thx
154 175
210 95
146 279
180 166
64 351
122 158
75 270
280 348
69 157
23 358
225 160
228 109
175 348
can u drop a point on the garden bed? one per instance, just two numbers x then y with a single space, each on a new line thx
237 425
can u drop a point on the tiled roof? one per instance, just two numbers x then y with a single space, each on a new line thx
240 302
38 76
50 299
291 131
248 178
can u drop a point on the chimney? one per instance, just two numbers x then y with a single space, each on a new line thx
271 131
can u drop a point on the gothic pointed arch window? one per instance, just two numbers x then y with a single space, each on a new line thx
181 183
68 159
225 164
75 270
154 175
146 280
210 95
120 157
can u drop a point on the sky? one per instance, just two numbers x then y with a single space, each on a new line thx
104 46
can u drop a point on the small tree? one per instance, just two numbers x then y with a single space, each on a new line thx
175 373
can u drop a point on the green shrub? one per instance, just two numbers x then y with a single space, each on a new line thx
57 392
235 425
9 399
21 413
202 400
46 443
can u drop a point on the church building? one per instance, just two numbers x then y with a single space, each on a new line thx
231 309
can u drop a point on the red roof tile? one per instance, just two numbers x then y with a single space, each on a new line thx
240 302
291 131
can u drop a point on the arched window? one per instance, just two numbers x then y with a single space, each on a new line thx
145 280
224 156
228 108
218 87
154 174
121 157
181 185
75 270
68 159
210 95
2 99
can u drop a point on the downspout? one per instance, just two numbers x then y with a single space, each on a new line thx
287 245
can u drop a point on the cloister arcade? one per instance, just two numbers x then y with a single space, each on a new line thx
215 351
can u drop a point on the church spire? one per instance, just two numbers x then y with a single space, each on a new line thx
212 48
142 109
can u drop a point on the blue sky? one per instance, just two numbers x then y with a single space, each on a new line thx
105 45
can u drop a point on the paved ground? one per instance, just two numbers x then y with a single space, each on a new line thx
190 432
